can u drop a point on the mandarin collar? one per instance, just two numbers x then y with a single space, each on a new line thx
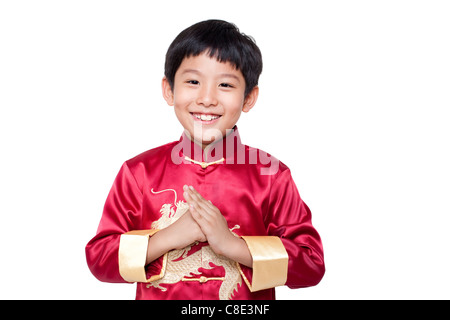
226 150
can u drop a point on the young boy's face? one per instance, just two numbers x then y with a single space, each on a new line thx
208 97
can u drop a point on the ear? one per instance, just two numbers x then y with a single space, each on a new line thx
167 91
250 100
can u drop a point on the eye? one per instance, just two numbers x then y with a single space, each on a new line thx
194 82
226 85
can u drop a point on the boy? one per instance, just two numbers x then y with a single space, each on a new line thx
242 228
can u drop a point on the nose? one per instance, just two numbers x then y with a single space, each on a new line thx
207 96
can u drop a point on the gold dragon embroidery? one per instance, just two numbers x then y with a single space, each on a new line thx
181 266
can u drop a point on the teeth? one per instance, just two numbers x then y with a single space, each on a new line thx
205 117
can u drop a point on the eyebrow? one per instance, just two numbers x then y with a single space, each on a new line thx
190 71
230 75
222 75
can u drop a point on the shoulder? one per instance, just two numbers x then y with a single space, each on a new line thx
266 163
150 157
141 167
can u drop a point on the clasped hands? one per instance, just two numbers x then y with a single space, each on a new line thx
208 223
203 222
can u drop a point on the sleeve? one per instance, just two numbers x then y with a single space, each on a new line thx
292 252
118 251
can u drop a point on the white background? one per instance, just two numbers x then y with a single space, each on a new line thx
354 98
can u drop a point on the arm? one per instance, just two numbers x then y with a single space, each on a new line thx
120 214
291 251
290 254
117 251
261 256
290 220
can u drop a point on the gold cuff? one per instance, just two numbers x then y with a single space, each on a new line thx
133 254
270 262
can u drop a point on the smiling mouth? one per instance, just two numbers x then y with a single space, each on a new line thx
205 118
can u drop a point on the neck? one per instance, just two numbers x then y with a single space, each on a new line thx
209 144
212 151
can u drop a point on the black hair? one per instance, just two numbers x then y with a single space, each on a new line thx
220 39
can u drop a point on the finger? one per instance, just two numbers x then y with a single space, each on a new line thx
195 195
210 205
187 197
196 205
190 201
191 196
199 208
198 218
186 193
204 208
207 204
194 212
202 220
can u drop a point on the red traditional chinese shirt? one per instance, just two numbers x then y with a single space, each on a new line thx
254 192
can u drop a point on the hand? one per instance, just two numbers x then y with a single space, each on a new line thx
211 221
178 235
184 232
215 228
203 222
